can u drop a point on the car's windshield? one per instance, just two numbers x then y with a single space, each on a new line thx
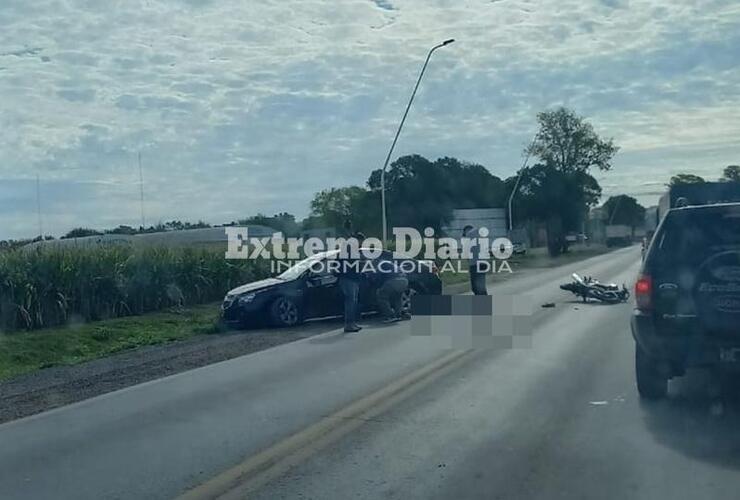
298 270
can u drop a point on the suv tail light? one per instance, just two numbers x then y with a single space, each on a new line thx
644 292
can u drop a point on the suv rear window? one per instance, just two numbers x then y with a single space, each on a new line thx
688 237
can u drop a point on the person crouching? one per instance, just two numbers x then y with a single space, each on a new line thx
392 283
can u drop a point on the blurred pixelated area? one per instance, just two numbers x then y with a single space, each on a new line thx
495 321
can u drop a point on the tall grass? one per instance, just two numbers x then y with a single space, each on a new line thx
50 287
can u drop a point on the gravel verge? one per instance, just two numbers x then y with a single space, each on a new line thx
61 385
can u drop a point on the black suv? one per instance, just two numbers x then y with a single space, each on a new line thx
688 296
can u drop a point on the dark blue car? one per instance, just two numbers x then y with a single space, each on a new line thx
310 290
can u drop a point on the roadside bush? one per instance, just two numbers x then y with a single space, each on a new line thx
54 286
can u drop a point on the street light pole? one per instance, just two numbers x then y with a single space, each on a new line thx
398 132
516 184
616 207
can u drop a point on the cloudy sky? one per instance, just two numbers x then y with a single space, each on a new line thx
246 106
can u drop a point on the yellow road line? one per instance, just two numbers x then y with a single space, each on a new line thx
247 477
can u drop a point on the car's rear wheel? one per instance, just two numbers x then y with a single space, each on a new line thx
284 311
652 382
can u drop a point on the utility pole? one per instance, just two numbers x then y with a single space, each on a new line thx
38 206
395 139
141 188
516 184
616 207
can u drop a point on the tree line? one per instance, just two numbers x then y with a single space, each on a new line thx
731 173
557 191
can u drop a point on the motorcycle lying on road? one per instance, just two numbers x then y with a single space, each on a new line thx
589 288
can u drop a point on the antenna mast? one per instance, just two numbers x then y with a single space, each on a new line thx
141 187
38 206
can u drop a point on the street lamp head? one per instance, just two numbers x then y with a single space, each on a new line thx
447 42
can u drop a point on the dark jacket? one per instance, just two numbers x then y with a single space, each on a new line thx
349 268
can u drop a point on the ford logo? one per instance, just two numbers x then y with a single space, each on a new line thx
727 303
727 273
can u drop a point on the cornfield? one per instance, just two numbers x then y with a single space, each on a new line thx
50 287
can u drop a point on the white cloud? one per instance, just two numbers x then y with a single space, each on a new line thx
241 107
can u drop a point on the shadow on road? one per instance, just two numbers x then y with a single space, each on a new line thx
369 322
336 337
700 418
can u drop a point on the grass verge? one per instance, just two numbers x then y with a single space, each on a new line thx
24 352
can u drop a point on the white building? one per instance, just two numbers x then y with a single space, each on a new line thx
493 219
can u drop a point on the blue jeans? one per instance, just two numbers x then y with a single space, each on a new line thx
351 291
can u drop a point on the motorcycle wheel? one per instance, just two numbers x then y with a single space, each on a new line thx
608 297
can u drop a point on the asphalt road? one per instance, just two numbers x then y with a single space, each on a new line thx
385 414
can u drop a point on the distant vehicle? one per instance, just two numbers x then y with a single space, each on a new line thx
703 193
519 239
618 235
519 248
687 296
576 237
301 293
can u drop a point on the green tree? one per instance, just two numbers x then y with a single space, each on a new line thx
334 206
686 179
624 209
312 222
81 232
560 188
174 225
197 225
567 142
559 199
731 173
122 230
422 193
283 222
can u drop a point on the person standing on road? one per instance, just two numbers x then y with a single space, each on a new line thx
477 276
349 282
392 283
